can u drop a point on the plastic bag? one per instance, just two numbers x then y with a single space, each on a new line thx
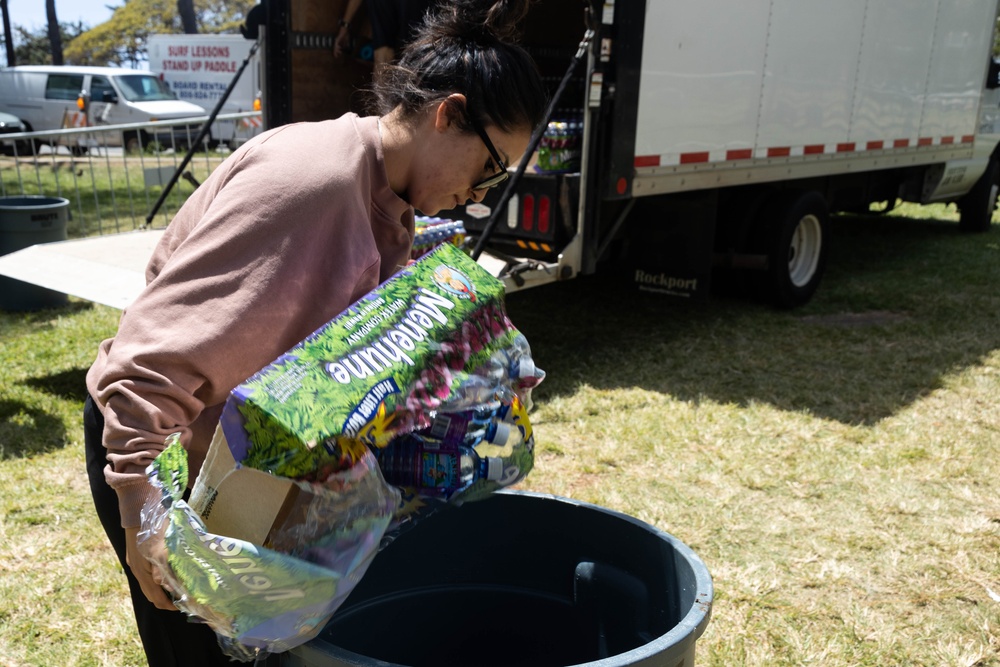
266 600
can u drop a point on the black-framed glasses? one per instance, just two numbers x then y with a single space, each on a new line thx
502 175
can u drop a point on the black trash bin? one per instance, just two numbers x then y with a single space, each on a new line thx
26 221
521 580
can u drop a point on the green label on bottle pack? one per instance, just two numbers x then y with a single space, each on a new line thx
372 373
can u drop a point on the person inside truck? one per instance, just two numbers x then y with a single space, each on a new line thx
393 23
292 228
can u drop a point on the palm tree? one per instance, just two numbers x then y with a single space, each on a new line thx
7 37
189 21
55 37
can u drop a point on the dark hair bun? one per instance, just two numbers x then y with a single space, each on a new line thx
472 18
467 47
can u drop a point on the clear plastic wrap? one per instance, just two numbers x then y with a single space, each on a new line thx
430 232
435 336
267 599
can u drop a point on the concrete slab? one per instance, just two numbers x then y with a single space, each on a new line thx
106 269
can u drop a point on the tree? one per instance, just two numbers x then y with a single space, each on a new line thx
122 39
223 16
8 39
34 48
55 38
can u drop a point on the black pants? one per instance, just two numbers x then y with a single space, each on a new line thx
168 638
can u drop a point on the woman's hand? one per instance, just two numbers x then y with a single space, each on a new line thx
142 569
342 44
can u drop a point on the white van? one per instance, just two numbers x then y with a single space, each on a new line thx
45 98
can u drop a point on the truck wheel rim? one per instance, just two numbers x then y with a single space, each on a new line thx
804 250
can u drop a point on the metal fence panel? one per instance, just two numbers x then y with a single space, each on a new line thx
112 184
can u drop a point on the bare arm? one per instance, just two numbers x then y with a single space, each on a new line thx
343 41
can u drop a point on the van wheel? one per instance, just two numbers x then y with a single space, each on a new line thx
18 148
25 147
976 208
791 232
135 141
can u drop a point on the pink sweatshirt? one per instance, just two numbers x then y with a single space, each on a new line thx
295 226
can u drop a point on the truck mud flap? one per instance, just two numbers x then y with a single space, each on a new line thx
670 252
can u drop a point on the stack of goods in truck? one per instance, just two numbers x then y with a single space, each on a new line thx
430 232
561 145
414 399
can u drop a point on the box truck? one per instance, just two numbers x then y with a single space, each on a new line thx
199 69
706 137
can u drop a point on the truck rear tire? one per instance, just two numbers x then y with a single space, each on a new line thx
792 233
977 206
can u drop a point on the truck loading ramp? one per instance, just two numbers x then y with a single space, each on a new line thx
107 269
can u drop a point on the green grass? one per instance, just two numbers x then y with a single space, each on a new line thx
835 467
106 194
62 595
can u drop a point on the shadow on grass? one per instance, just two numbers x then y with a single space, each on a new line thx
904 303
70 384
25 428
26 431
42 315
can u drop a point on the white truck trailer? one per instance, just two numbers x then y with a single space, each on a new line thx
719 135
199 69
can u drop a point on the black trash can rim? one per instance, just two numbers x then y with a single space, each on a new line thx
695 620
688 629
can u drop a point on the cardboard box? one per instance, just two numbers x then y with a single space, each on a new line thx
239 502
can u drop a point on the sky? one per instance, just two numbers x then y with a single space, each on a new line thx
30 14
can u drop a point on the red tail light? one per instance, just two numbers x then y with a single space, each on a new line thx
528 213
543 214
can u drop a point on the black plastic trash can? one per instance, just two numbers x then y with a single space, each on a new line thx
523 580
26 221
